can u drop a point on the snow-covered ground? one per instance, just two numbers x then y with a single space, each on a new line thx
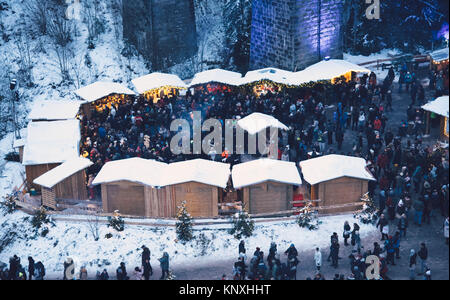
74 240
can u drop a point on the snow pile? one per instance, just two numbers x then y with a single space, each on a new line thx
74 239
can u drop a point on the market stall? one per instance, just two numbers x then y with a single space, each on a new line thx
158 85
102 94
268 80
439 108
267 185
439 59
337 182
54 110
216 80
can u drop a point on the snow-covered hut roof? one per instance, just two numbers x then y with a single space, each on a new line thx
217 75
51 142
54 110
157 80
326 70
23 139
438 106
272 74
63 171
262 170
256 122
439 55
101 89
197 170
138 170
334 166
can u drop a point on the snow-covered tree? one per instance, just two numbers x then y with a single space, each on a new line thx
242 225
368 214
184 223
307 218
116 222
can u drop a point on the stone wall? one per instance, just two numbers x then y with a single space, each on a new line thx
293 34
163 31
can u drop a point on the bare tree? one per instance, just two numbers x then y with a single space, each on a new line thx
37 13
93 221
23 47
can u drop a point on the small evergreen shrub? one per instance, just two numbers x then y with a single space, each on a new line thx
243 225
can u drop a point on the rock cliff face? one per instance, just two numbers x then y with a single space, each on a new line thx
293 34
163 31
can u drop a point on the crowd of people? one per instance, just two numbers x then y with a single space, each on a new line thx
412 183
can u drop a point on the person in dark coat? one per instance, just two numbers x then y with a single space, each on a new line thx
291 252
382 222
121 272
30 268
164 263
242 247
104 275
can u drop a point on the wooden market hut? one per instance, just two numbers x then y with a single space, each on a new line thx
439 59
48 144
266 185
65 182
100 94
200 183
132 186
337 181
54 110
439 107
156 85
266 80
216 80
147 188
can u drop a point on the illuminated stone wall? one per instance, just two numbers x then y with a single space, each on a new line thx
163 31
293 34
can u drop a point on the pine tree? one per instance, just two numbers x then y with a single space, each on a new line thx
243 225
184 223
9 203
307 218
116 222
368 214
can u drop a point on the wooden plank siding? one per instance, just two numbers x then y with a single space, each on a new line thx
344 190
33 172
268 197
73 187
201 199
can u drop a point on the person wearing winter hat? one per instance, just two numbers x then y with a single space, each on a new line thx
412 264
318 259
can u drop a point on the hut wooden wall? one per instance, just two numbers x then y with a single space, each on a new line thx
160 203
33 172
125 196
344 190
73 187
442 129
21 154
201 199
268 197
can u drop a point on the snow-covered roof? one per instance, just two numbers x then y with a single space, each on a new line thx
101 89
197 170
326 70
51 142
334 166
157 80
63 171
54 110
157 174
23 138
217 75
262 170
439 55
138 170
272 74
438 106
256 122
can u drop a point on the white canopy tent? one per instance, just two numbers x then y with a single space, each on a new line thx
334 166
54 110
157 80
440 106
101 89
63 171
326 70
262 170
51 142
271 74
257 122
217 75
